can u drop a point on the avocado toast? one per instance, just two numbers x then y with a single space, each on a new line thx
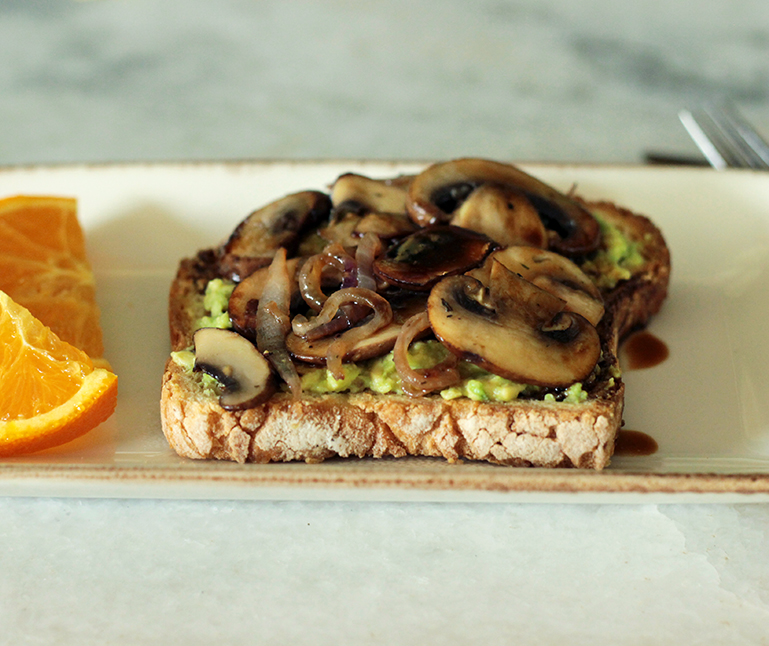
467 312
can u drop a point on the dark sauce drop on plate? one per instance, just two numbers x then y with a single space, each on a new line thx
634 443
643 350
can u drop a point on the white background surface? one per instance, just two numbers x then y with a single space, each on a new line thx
594 81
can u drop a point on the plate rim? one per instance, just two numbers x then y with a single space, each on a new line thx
259 480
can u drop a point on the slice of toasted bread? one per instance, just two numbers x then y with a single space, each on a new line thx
523 432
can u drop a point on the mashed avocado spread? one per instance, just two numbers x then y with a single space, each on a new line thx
379 376
613 262
215 302
616 259
375 375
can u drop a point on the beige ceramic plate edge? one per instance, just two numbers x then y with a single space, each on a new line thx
707 406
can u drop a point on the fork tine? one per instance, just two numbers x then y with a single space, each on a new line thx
723 118
725 137
753 140
703 140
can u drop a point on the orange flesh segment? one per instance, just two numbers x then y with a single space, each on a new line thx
50 333
50 392
43 266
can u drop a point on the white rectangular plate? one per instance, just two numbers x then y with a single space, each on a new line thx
707 406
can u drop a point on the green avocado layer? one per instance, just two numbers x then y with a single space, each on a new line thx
377 375
613 262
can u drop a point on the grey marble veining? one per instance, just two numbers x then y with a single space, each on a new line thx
527 80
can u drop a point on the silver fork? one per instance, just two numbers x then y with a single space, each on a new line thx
725 137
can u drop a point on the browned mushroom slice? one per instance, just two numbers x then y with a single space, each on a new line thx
420 260
513 328
437 192
402 181
255 240
553 273
369 195
504 214
234 361
385 225
363 205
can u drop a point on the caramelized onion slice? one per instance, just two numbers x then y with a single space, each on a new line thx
346 341
273 322
421 381
369 247
314 351
245 297
311 275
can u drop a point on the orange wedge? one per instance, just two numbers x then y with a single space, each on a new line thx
43 266
50 392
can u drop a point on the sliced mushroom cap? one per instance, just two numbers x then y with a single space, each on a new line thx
420 260
363 205
234 361
502 213
437 192
513 328
384 225
553 273
370 195
340 229
255 240
402 181
348 227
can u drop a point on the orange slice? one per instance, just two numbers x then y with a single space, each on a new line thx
50 392
43 266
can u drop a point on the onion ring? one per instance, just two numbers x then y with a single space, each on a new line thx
418 382
310 276
341 346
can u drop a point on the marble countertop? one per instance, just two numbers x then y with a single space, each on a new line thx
530 80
